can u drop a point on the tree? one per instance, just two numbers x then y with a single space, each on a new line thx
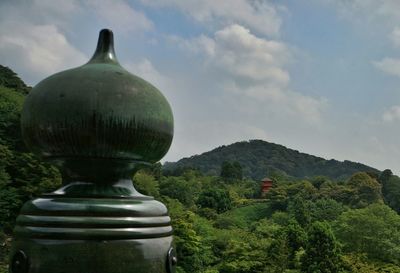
384 177
296 241
318 181
215 198
278 252
180 189
322 253
10 79
22 174
326 209
231 171
390 189
374 230
243 255
10 203
154 170
10 111
299 209
240 251
280 195
31 176
193 251
146 184
366 190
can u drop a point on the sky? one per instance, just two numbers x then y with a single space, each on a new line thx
318 76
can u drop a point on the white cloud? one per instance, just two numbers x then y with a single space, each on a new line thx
33 36
121 16
392 114
37 50
285 105
147 71
242 54
253 71
261 16
32 39
390 66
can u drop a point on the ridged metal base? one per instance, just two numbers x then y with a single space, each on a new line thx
94 256
92 235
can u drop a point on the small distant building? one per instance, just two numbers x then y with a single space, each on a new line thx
266 185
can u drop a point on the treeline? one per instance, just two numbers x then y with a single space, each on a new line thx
259 158
313 225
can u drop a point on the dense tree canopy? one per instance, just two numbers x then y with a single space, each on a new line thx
215 198
390 189
374 230
231 171
365 190
322 252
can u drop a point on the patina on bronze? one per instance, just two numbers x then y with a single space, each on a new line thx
99 124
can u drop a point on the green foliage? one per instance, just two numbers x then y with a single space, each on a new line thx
243 254
10 203
299 209
338 192
390 189
242 217
10 79
193 250
231 171
365 190
180 188
4 252
22 175
241 191
318 181
10 108
260 158
279 197
146 184
322 252
31 176
296 238
374 230
281 218
279 252
360 263
215 198
326 210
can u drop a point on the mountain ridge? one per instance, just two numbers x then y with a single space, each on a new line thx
260 158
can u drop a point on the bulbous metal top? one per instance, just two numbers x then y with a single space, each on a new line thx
98 111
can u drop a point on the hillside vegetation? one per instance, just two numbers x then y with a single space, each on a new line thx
259 158
221 224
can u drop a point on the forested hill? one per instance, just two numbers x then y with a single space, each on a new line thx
10 79
259 158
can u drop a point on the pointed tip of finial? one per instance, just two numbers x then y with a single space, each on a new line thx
105 48
106 33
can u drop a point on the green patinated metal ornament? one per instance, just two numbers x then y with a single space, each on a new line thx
99 124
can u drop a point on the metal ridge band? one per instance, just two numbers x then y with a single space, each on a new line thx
92 222
64 206
63 233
